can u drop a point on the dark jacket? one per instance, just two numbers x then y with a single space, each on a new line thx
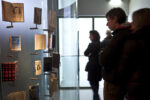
111 55
106 41
93 67
135 63
92 52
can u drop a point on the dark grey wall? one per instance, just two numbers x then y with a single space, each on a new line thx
94 7
97 7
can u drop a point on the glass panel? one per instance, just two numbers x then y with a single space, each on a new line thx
69 71
65 3
68 42
85 25
100 26
68 49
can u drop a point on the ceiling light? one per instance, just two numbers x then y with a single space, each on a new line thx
115 2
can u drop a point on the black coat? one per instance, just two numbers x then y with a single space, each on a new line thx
110 57
135 63
93 67
106 41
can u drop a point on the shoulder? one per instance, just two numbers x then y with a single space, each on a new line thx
95 43
124 31
121 34
131 42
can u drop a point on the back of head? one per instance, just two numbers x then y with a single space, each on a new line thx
117 12
141 18
108 33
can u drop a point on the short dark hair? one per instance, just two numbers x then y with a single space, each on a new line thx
95 35
119 13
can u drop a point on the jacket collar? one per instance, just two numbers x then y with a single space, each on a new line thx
122 27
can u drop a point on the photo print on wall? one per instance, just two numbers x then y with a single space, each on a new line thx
47 64
38 70
15 43
40 42
52 20
56 59
19 95
8 71
37 15
12 12
34 92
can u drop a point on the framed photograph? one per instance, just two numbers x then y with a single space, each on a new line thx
8 70
6 11
13 12
37 15
51 41
19 95
34 92
38 70
56 59
40 42
52 20
47 64
15 43
50 36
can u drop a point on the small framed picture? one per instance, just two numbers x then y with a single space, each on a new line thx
52 20
15 43
38 70
8 70
40 42
13 12
37 15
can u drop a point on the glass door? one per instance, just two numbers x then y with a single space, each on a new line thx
85 25
100 26
68 48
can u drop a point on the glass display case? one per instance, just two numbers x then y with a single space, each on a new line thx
28 51
21 77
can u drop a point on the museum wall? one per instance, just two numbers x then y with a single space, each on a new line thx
26 57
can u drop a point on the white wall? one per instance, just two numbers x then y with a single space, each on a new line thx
137 4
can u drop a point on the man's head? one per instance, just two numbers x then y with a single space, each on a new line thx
115 17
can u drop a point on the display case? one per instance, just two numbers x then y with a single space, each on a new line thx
21 61
30 56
